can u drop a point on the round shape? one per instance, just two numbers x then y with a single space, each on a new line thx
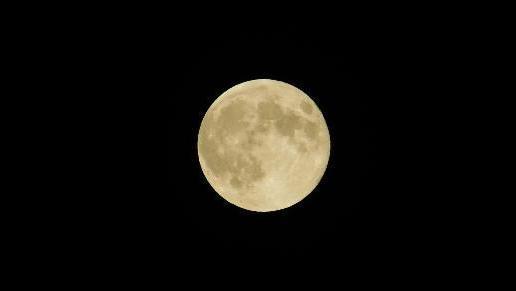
263 145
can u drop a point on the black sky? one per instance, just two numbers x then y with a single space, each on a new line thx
374 85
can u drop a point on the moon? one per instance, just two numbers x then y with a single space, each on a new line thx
263 145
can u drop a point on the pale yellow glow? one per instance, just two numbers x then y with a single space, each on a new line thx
263 145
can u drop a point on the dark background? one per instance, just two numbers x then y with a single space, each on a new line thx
120 95
147 202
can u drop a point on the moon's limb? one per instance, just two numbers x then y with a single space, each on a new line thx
263 145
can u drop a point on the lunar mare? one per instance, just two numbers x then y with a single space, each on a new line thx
263 145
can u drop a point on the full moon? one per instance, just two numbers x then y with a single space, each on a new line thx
263 145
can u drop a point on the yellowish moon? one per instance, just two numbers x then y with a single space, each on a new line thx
263 145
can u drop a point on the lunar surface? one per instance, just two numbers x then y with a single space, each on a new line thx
263 145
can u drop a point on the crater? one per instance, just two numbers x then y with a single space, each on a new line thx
288 124
269 111
254 170
262 127
302 147
306 107
231 117
236 182
215 159
248 171
311 129
244 168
